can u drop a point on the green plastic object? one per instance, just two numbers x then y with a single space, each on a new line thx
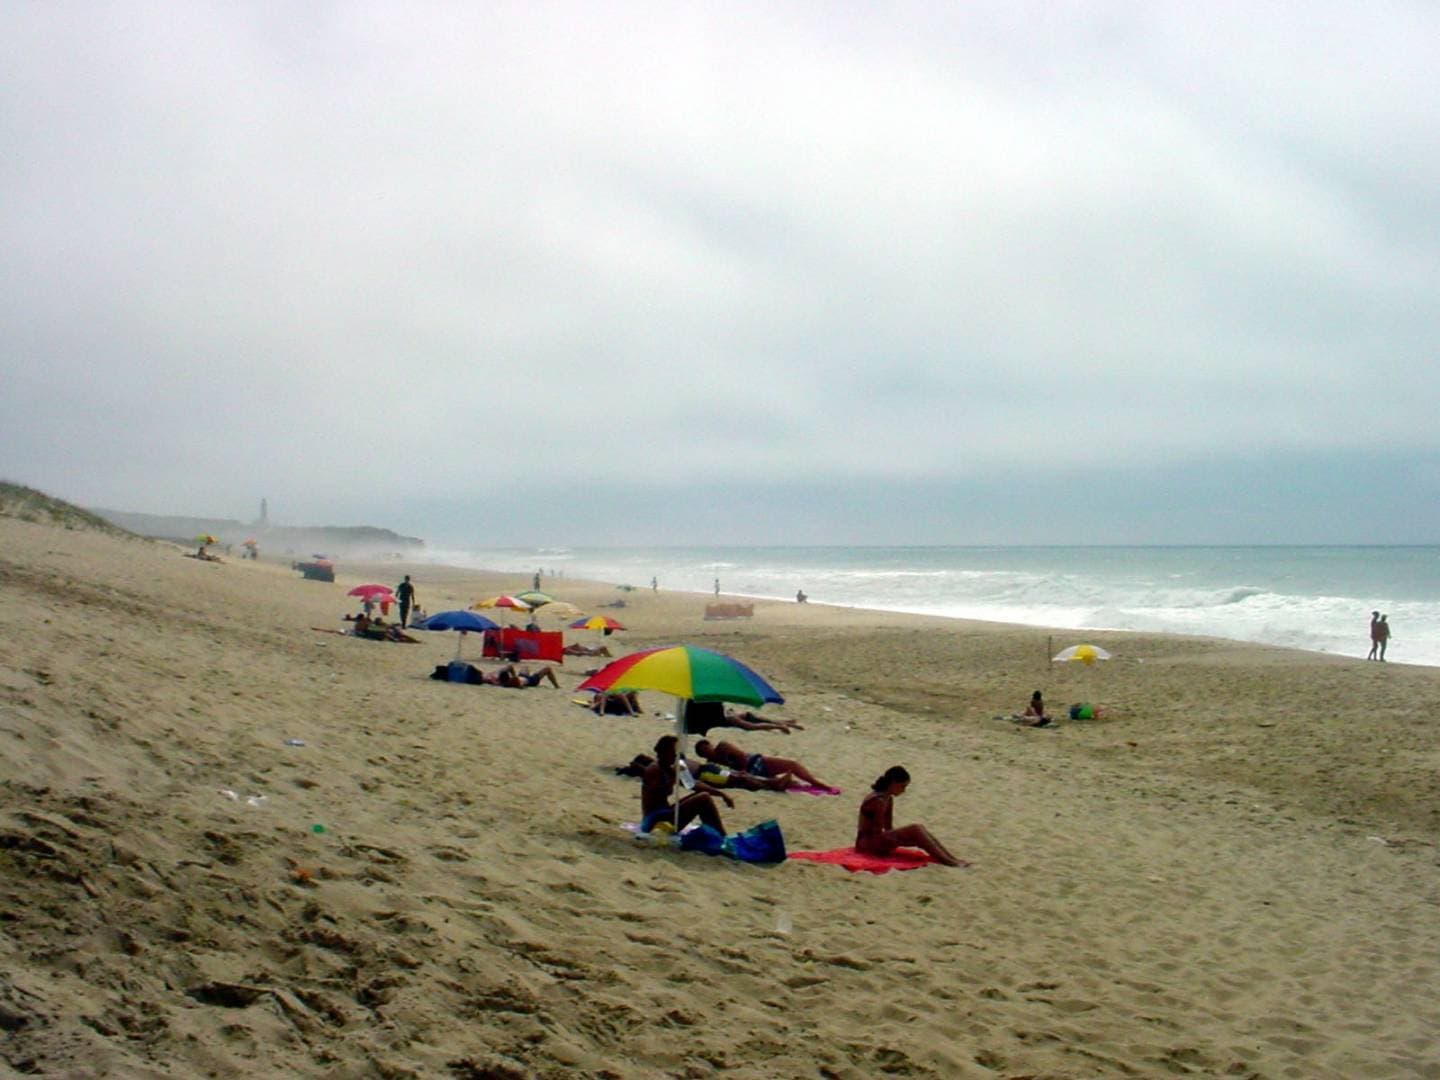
317 828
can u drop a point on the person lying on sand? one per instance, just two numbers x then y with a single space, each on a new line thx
520 680
876 833
762 765
701 716
576 649
658 782
722 776
375 630
616 703
749 721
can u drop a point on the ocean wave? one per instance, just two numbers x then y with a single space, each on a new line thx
1314 599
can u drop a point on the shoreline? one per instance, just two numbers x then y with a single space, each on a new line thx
498 577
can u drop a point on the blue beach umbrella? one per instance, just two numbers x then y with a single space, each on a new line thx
463 621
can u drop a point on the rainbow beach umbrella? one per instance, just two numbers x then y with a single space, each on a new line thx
686 672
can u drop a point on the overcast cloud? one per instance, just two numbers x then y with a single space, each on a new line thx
729 272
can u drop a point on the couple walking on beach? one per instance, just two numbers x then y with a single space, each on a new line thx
1379 635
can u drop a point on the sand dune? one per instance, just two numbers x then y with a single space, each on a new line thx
1232 873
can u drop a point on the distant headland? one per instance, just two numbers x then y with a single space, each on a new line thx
335 541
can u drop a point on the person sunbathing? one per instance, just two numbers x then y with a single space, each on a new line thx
876 833
749 721
376 630
701 716
722 776
576 649
658 783
520 680
616 703
762 765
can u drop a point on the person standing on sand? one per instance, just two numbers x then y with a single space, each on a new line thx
405 593
717 587
1374 636
1383 630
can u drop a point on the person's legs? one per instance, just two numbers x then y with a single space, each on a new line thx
777 765
919 836
404 614
702 806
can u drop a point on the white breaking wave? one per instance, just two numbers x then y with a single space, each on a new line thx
1314 599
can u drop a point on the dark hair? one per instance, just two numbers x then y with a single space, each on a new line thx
1035 695
896 774
671 739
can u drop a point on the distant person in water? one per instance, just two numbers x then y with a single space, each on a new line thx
876 833
1384 631
1374 636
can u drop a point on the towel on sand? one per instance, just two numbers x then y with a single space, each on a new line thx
852 860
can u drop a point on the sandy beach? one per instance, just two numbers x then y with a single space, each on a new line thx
1232 872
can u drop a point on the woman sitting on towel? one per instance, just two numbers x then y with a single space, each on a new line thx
1035 714
877 834
658 782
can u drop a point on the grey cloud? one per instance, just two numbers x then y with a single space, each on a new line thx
361 253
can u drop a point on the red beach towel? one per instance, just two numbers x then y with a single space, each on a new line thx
852 860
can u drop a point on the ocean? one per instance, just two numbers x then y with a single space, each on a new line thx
1314 598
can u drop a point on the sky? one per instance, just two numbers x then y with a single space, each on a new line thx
728 273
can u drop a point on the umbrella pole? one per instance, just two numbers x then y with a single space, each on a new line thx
459 644
680 704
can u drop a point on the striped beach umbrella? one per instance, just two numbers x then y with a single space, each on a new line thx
685 671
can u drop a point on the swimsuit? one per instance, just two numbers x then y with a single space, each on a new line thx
650 820
755 765
717 775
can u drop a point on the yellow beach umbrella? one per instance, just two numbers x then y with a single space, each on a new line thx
1086 654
